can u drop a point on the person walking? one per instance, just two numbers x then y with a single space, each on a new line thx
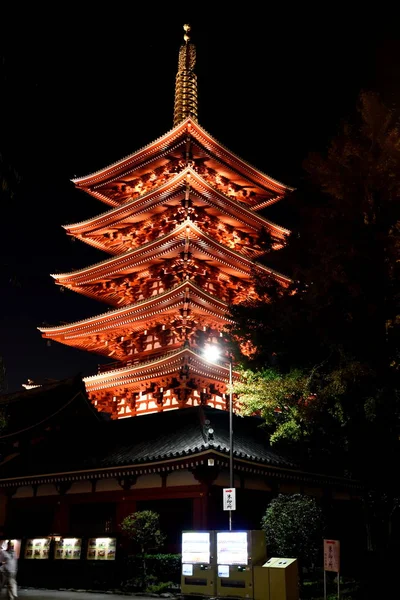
9 568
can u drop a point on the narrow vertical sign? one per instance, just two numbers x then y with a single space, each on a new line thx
229 498
332 555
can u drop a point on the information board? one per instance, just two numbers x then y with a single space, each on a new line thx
68 549
332 555
101 549
229 497
37 548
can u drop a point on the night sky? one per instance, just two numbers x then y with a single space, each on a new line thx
83 90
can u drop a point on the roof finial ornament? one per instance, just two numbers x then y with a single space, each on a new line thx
186 35
186 81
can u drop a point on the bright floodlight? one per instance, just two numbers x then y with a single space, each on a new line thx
212 352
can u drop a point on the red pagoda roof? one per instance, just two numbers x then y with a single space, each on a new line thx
229 210
169 244
219 158
84 333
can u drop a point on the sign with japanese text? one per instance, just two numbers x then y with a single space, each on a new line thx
229 498
332 555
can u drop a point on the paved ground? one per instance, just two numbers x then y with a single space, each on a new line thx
34 594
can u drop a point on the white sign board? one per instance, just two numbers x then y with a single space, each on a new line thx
223 570
187 570
229 498
332 555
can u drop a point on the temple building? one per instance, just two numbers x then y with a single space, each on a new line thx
183 232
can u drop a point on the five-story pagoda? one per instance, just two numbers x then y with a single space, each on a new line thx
183 235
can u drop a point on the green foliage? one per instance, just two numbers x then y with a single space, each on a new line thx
313 589
161 570
159 588
293 525
3 420
281 399
166 566
325 353
142 527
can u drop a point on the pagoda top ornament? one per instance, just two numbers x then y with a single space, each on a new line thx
186 82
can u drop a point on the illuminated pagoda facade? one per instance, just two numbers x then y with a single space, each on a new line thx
182 232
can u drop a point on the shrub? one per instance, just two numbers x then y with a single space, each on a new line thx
293 525
162 569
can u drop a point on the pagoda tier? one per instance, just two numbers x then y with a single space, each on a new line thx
149 328
140 220
184 238
188 144
177 379
185 252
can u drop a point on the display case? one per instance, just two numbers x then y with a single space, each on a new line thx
237 554
37 548
198 563
101 548
68 549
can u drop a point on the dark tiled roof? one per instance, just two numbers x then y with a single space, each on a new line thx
29 409
185 432
146 439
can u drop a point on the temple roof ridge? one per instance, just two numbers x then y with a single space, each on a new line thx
130 307
161 240
126 254
188 171
180 125
186 125
240 256
272 179
219 364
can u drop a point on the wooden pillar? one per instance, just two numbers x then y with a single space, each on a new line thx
61 517
125 507
200 512
205 475
4 503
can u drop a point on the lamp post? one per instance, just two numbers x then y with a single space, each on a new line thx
212 353
231 482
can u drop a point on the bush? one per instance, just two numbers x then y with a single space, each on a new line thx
293 525
161 570
159 588
142 527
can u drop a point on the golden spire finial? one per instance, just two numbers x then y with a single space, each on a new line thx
186 36
186 81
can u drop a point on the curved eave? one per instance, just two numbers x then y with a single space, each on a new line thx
171 461
224 154
136 258
161 366
141 311
162 193
185 127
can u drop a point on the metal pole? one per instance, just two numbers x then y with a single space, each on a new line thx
231 482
